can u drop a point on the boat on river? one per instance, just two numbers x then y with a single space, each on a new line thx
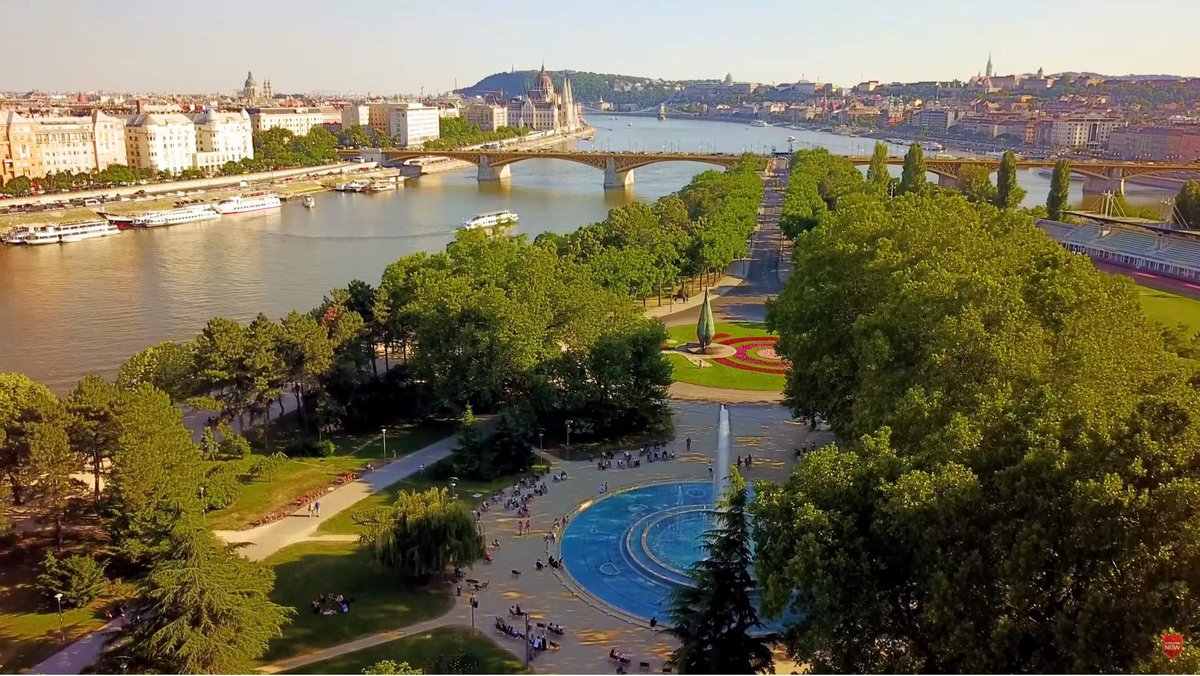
760 123
63 234
308 202
353 186
189 214
244 204
489 220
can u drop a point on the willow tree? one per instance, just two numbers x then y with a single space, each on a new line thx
423 534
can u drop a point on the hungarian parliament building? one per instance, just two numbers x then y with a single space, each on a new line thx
543 109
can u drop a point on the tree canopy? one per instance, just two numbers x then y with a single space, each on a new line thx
1007 491
423 534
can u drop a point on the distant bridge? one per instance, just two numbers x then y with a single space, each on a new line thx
495 165
1098 176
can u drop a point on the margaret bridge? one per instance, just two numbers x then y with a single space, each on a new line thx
495 165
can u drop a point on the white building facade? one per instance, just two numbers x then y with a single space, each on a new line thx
161 142
487 116
296 120
354 114
1083 131
81 144
221 138
411 124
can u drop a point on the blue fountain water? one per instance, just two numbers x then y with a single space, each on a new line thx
632 549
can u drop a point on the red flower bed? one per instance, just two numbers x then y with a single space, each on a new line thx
746 359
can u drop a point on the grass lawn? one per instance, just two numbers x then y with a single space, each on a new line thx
719 375
343 523
300 475
422 651
1169 308
29 630
308 569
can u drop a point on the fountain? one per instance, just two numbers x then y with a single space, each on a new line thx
721 465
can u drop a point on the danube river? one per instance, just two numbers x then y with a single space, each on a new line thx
71 309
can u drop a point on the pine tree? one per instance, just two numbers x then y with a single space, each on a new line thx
877 173
912 179
1008 193
1060 185
205 610
713 619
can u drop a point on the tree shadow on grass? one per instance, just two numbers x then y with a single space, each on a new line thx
380 600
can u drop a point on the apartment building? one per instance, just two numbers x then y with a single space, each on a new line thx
296 120
19 151
221 138
410 123
1083 131
80 144
487 116
161 142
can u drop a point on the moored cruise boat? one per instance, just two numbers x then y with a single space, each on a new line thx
17 235
244 204
759 123
189 214
489 219
72 232
353 186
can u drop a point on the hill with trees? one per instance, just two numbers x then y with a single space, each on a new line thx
587 86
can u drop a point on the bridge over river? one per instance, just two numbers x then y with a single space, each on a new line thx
494 165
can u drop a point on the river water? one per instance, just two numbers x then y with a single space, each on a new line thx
73 309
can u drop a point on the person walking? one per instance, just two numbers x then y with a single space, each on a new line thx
310 508
689 444
317 508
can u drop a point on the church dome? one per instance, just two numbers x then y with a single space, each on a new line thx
250 80
544 83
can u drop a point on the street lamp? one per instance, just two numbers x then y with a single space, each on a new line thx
454 487
474 605
202 507
61 630
541 431
528 644
568 435
384 432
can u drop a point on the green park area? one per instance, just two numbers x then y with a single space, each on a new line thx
381 600
429 652
743 370
1170 309
298 476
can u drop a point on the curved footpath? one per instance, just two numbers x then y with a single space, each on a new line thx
738 298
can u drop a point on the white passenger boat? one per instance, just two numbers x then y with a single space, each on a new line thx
488 220
189 214
353 186
17 235
308 202
244 204
71 232
759 123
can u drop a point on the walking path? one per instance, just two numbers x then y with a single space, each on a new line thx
592 628
82 653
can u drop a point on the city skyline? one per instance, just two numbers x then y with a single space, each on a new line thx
306 47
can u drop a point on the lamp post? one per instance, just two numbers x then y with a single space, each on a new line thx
541 432
454 487
383 431
568 436
61 631
527 639
202 507
474 605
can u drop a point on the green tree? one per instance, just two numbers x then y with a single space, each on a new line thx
220 360
423 534
51 464
386 667
18 187
877 172
975 183
94 410
307 355
205 609
912 177
992 505
714 617
1187 203
155 478
168 366
1059 199
1008 193
80 579
28 413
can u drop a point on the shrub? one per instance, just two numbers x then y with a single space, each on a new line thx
235 446
79 579
222 485
442 469
325 448
455 663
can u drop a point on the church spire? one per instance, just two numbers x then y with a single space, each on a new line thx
989 65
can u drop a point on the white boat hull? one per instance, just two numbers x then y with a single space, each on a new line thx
89 235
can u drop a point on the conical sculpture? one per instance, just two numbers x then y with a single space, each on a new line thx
706 327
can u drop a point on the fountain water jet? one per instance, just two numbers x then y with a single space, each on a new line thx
721 465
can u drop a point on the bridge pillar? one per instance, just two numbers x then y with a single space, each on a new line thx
488 173
614 178
1115 183
945 181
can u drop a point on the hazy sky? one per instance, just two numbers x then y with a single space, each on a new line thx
388 46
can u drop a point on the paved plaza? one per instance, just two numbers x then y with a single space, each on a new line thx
592 627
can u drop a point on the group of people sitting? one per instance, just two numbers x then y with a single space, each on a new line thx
538 639
806 447
554 563
330 604
656 451
560 476
618 656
